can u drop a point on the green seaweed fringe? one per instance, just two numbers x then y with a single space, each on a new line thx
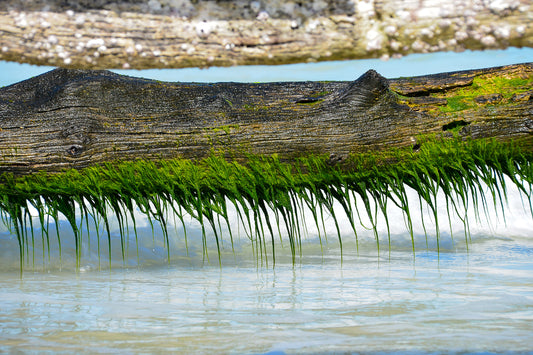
458 168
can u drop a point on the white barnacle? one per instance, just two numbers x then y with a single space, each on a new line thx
461 35
502 32
52 39
79 21
203 29
419 45
20 21
374 40
390 30
80 47
426 32
395 45
262 16
488 40
95 43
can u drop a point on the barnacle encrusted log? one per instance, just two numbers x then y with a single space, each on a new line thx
162 33
78 118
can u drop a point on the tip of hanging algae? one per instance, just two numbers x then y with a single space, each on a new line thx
266 194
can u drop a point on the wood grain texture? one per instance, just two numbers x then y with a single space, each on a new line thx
77 118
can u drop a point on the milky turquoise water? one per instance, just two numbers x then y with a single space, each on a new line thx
477 302
415 64
475 295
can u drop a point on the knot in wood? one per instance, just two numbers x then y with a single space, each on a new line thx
75 150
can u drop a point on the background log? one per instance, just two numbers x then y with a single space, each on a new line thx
77 118
162 33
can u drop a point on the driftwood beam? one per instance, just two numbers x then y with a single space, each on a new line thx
78 118
136 146
141 34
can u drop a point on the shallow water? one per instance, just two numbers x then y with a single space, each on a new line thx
481 301
411 65
474 295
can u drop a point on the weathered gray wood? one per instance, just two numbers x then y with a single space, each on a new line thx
77 118
117 34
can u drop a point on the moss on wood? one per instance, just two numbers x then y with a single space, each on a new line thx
109 145
203 189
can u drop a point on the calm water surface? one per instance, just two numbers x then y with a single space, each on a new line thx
415 64
475 302
469 297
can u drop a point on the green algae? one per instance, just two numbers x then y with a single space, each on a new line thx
463 98
205 188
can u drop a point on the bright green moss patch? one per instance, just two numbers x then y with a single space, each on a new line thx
464 98
204 189
457 103
498 84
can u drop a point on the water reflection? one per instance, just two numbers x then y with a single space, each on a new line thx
465 302
454 299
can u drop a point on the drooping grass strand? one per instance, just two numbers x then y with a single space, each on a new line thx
461 170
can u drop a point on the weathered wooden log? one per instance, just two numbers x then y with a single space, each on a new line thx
78 118
137 146
141 34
